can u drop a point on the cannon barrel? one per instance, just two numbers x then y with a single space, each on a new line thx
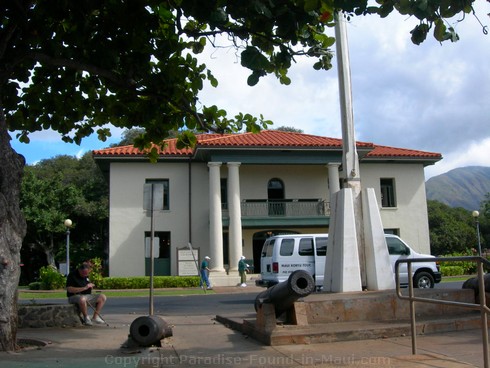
283 295
149 330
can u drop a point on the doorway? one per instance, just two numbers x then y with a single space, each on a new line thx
275 196
161 253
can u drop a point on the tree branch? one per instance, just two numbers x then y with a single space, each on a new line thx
76 65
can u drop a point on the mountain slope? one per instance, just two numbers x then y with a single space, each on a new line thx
463 187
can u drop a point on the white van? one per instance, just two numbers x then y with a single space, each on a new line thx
283 254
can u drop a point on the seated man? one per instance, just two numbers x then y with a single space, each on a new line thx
79 291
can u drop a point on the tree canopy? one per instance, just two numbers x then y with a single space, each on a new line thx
451 229
81 65
76 66
54 190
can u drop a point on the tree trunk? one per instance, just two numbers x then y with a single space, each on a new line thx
12 232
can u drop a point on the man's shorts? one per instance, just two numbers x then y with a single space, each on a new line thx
91 298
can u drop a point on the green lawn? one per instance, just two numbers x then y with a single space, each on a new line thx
456 278
61 294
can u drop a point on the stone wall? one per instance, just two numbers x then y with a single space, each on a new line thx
48 315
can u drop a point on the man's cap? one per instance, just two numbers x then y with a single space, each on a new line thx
207 257
242 257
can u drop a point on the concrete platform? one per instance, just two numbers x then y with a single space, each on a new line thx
199 341
327 317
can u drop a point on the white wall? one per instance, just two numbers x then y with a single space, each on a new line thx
299 181
128 221
410 215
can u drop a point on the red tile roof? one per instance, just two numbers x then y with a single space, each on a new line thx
264 139
275 138
385 151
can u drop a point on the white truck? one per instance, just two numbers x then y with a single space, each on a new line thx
283 254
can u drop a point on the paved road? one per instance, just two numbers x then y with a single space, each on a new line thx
185 305
201 304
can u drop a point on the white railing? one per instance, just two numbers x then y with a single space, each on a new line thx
286 208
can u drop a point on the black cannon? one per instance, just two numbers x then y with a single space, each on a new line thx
283 295
149 330
473 283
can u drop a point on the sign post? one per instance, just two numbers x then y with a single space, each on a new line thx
153 201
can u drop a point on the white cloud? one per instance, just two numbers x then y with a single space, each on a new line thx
80 153
430 97
476 154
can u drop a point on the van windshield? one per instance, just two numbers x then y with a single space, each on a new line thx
396 247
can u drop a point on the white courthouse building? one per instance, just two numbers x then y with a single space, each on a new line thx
230 192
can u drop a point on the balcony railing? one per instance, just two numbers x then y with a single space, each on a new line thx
283 208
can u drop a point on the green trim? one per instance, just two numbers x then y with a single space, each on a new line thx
266 222
274 157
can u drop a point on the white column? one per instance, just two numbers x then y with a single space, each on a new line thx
333 186
350 160
215 219
333 177
235 230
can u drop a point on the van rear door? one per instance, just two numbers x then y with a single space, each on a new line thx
266 259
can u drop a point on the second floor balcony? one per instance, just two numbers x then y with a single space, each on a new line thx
266 208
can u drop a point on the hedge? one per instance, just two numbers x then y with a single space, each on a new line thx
452 270
143 282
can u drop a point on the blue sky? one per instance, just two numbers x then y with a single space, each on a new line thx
430 97
48 144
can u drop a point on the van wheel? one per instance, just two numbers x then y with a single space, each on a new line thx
423 280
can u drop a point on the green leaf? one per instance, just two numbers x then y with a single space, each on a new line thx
253 59
212 79
262 9
439 30
284 79
403 6
218 16
311 5
186 139
253 79
419 33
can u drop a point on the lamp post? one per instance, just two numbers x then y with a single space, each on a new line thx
475 215
68 224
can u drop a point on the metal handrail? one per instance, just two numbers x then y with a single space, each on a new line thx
481 288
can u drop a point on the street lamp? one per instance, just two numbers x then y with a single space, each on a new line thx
475 215
68 224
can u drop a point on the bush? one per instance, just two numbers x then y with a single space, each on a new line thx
35 285
96 276
51 279
468 268
143 282
452 270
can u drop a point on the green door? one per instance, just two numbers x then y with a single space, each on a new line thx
161 253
